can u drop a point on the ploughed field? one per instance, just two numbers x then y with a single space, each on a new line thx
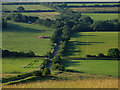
90 4
43 15
24 37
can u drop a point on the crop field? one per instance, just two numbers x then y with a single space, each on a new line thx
101 16
94 9
43 15
24 37
27 7
90 4
20 65
100 67
92 43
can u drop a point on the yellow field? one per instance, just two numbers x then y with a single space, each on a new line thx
91 83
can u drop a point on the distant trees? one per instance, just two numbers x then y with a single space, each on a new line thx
7 53
20 8
108 25
113 52
21 18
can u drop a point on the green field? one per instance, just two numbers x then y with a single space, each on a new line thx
89 4
27 7
24 37
101 16
17 65
92 43
102 67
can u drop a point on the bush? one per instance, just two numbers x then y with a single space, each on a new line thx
37 73
113 52
46 72
57 67
100 55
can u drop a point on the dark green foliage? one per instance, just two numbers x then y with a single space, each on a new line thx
100 55
46 72
7 53
113 52
104 26
57 59
20 8
37 73
4 23
57 67
21 18
45 63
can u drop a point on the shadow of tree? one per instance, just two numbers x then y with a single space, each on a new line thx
17 28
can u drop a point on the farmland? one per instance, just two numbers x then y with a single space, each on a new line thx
94 9
72 69
90 4
27 7
43 15
24 37
101 16
92 43
20 65
71 80
101 67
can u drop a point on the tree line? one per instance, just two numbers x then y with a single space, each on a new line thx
7 53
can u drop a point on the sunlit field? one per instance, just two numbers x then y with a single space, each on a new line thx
24 37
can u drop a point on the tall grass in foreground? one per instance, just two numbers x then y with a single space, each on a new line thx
91 83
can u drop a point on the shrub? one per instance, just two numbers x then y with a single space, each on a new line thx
113 52
46 72
57 67
37 73
100 55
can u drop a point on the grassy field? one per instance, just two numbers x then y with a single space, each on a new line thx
43 15
101 16
24 37
20 65
89 4
101 67
94 9
92 43
27 7
70 80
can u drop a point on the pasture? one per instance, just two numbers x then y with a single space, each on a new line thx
92 43
27 7
99 67
102 16
24 37
20 65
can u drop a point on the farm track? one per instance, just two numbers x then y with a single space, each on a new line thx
56 50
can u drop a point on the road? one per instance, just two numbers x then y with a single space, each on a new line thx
56 50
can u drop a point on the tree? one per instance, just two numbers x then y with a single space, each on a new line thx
4 23
58 67
113 52
100 55
20 9
46 72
